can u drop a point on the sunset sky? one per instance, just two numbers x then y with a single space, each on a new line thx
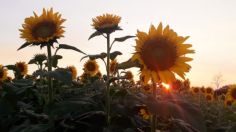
211 25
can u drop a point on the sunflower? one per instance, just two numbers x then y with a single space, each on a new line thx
22 67
195 90
144 113
43 28
113 66
161 52
209 90
91 67
209 97
73 71
231 93
202 89
228 102
3 73
84 77
129 75
99 74
106 23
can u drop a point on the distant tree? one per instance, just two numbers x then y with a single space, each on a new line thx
218 80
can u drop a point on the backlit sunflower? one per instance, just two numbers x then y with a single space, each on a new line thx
91 67
228 102
231 93
209 97
73 71
84 77
144 113
195 90
43 28
129 75
106 23
209 90
22 67
161 52
3 73
113 66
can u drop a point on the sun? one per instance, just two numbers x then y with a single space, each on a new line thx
166 86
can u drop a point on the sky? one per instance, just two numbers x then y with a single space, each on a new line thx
211 25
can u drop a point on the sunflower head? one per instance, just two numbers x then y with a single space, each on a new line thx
113 66
195 90
42 28
228 102
129 75
3 73
91 67
106 23
203 90
73 71
84 77
209 97
144 113
161 52
22 67
231 93
209 90
99 74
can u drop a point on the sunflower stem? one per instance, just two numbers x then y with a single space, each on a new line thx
108 83
153 116
50 85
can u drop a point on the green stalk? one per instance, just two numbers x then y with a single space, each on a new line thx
50 87
108 83
153 116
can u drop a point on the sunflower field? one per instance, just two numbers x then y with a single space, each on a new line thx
58 99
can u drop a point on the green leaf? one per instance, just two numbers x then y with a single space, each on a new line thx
24 45
65 46
121 39
97 33
61 74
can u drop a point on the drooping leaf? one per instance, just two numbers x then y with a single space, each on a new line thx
96 33
97 56
121 39
128 64
11 67
114 54
65 46
32 61
24 45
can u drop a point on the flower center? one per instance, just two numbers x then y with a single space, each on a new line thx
158 54
91 67
21 67
44 29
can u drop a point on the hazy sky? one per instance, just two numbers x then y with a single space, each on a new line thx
211 25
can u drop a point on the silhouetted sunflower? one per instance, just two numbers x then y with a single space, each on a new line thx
73 71
161 52
195 90
91 67
3 73
22 67
209 90
129 75
43 28
231 94
106 23
209 97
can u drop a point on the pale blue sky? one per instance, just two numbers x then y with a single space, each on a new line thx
210 23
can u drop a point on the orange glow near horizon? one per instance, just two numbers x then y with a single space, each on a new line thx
167 86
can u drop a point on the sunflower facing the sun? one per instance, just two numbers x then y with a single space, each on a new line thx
161 52
3 73
22 67
73 71
43 28
91 67
106 23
